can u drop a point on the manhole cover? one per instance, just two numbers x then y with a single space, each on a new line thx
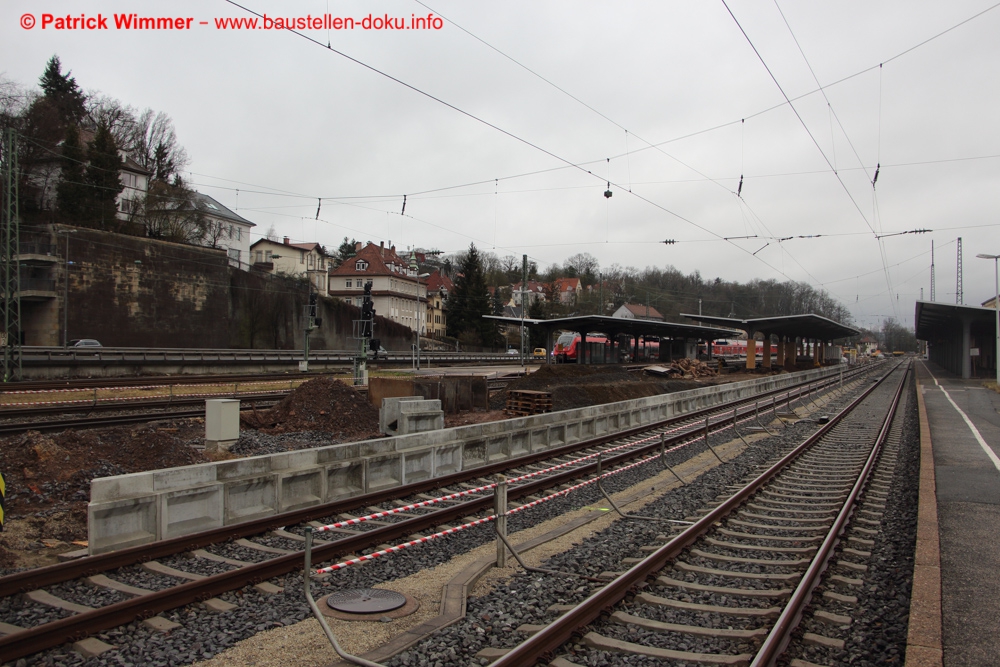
366 601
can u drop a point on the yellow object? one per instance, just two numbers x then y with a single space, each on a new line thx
539 352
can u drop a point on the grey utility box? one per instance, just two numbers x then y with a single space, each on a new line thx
222 423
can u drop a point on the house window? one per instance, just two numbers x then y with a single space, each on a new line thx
267 255
348 283
360 265
234 254
239 233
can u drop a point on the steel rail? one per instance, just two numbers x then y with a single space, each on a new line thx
777 640
57 632
557 633
57 573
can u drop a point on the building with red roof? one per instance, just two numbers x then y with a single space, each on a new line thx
398 293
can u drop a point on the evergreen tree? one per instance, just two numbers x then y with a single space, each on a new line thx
103 178
62 92
72 192
469 301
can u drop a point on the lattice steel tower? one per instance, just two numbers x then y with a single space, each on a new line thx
932 272
959 297
10 269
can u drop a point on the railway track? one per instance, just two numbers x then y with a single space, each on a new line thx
731 588
134 413
40 609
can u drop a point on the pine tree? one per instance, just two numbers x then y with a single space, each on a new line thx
72 192
62 92
469 301
103 178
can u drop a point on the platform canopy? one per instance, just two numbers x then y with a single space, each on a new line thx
937 321
613 326
961 339
785 326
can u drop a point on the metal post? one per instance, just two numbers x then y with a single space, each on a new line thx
708 445
500 509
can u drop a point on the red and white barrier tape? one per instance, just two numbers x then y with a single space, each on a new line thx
405 545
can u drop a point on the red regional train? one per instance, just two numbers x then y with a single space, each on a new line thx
566 349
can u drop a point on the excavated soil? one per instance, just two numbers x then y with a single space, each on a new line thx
323 404
48 480
576 386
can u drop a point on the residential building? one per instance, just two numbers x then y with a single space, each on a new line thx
47 173
438 287
225 230
567 289
293 259
990 302
634 311
398 292
535 291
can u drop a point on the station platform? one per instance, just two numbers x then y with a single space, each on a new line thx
957 571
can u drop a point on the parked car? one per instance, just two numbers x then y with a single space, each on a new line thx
84 342
539 353
512 351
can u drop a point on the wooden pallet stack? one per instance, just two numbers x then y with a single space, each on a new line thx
522 402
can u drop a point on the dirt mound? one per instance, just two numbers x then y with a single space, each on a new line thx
323 404
576 386
48 479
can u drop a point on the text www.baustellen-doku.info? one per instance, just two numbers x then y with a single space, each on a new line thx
382 22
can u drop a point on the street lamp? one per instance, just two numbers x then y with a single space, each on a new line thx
996 305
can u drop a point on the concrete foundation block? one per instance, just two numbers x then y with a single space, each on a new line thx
302 488
122 523
345 480
190 510
250 499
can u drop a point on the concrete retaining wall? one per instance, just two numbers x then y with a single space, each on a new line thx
128 510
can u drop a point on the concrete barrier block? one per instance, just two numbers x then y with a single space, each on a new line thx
110 489
384 472
336 453
184 477
304 458
498 448
388 414
601 426
345 480
249 499
417 421
447 459
376 447
188 511
539 439
473 454
302 488
557 435
520 443
251 467
120 524
572 431
418 466
588 428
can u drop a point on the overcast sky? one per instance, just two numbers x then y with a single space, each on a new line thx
507 158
